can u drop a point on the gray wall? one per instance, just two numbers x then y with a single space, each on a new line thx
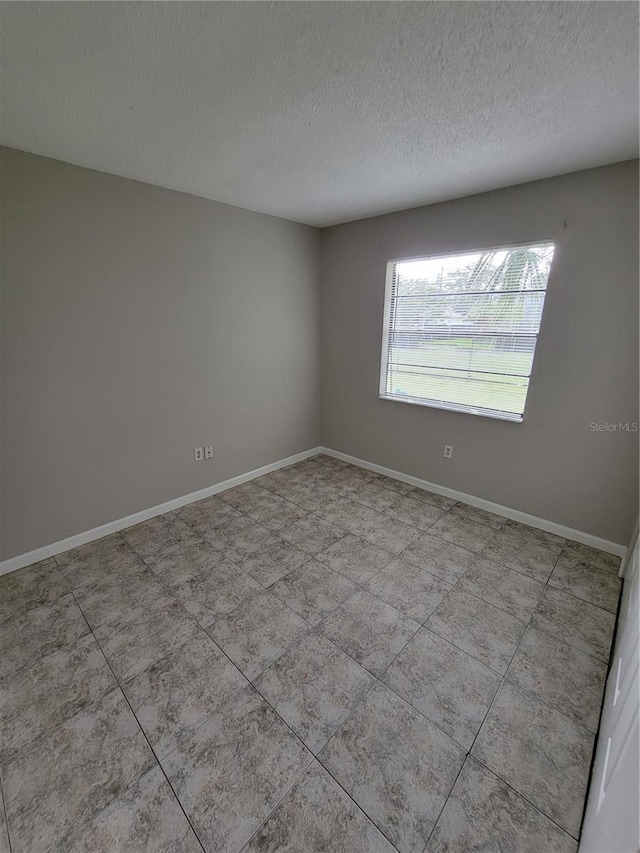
138 323
586 367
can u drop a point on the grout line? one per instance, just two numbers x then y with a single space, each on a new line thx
86 823
222 556
325 616
565 643
446 800
375 682
119 686
378 679
251 686
528 624
522 796
193 730
249 683
535 697
356 804
283 797
466 651
144 734
490 603
378 682
360 586
3 805
584 600
602 704
316 628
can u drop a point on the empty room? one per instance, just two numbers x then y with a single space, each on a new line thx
319 455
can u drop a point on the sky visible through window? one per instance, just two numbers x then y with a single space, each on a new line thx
430 268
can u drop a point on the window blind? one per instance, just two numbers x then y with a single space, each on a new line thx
460 331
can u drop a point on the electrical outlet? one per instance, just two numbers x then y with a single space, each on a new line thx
208 451
448 451
198 454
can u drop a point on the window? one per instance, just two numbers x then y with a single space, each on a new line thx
460 331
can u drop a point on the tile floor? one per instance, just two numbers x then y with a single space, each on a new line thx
322 659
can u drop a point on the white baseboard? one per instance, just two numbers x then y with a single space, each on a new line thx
481 503
21 560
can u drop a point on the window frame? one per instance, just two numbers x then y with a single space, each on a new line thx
386 318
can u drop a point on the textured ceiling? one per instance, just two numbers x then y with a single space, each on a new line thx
323 112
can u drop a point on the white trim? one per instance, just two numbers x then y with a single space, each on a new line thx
481 503
473 250
390 299
495 414
21 560
386 322
626 563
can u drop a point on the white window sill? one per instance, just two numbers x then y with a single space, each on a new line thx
465 410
